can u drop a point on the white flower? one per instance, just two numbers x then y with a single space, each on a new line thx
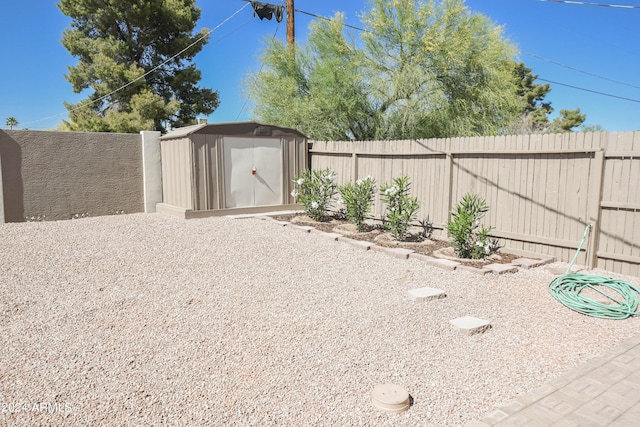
294 194
479 243
300 181
369 177
359 182
314 205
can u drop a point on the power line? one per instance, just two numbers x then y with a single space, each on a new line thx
328 19
578 70
207 34
589 90
584 3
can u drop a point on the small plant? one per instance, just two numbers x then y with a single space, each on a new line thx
358 200
315 190
427 229
468 237
401 208
341 213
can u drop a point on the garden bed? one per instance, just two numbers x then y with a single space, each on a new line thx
375 234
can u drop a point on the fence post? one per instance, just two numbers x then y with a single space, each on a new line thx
448 176
595 198
151 170
354 163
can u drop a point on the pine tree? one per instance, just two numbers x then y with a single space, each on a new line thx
536 110
118 44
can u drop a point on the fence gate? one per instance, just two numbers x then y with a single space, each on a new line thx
253 171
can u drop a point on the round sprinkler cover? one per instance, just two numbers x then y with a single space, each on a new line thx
390 398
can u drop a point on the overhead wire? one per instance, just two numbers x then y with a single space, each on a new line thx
589 90
542 58
86 104
329 19
585 3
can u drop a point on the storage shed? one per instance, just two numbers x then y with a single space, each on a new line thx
230 168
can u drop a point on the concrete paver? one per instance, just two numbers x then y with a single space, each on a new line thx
470 325
605 391
426 294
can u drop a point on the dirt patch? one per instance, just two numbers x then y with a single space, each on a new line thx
377 235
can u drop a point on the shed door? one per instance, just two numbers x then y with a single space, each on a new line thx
243 186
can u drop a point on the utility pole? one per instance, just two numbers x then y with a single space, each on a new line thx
291 30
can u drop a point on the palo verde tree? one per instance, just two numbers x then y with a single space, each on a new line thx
421 69
126 60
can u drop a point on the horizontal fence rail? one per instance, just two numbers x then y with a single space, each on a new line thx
543 190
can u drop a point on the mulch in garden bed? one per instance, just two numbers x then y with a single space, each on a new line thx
377 235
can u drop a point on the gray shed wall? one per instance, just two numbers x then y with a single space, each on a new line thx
193 163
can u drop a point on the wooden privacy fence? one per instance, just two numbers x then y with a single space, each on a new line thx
543 190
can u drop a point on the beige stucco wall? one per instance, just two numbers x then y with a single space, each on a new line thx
152 169
62 174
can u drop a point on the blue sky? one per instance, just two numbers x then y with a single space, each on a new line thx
603 41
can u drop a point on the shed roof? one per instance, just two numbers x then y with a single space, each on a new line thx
238 128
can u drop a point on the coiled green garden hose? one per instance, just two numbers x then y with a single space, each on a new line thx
567 288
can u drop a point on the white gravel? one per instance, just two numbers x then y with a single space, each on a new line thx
153 320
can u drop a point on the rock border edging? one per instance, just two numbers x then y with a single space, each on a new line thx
402 253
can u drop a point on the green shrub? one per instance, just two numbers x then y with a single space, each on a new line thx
314 190
401 208
468 237
358 200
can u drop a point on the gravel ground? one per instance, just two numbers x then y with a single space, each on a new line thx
153 320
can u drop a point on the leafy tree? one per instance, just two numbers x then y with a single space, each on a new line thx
11 122
125 57
422 69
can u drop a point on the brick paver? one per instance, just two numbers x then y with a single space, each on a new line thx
604 391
